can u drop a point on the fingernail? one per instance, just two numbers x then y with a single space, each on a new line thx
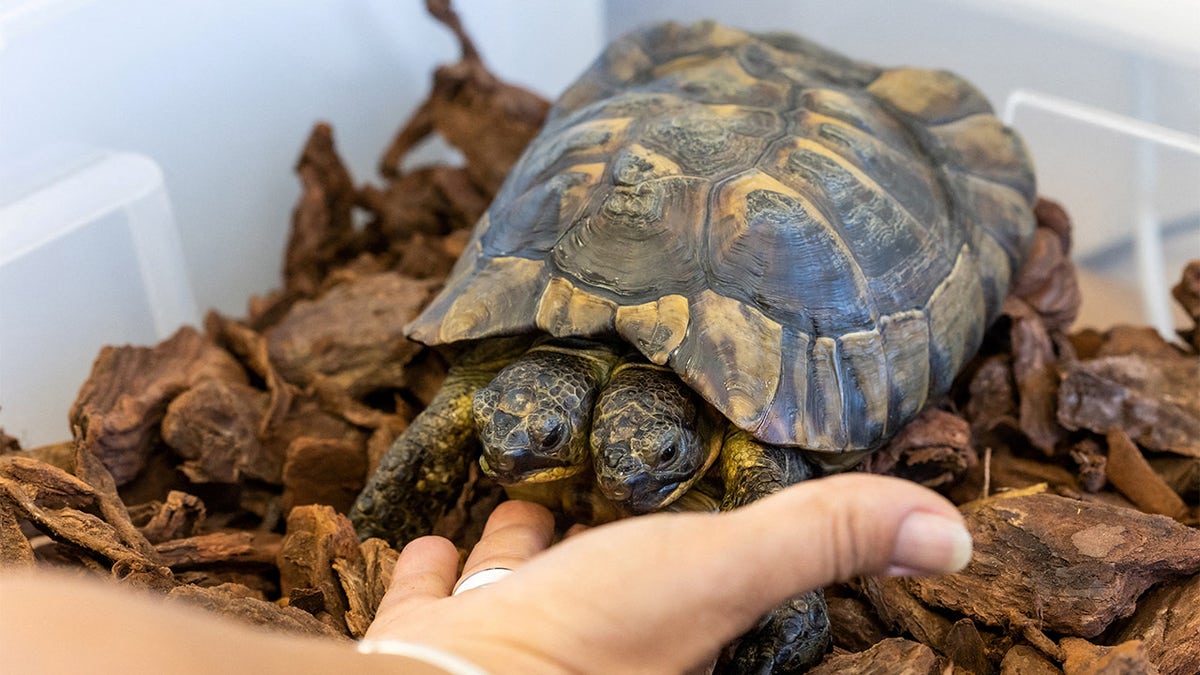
931 544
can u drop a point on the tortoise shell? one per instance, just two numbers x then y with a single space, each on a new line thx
813 244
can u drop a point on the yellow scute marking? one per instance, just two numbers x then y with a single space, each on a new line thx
743 345
655 328
495 300
564 310
732 195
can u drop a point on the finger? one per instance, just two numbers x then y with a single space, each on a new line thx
835 529
515 532
425 571
823 531
863 524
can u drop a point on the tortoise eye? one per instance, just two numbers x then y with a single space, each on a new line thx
552 438
669 453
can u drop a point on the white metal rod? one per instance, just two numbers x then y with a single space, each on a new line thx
1101 118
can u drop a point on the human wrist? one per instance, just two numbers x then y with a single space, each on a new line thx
459 655
436 658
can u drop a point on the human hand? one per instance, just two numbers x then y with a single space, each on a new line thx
664 592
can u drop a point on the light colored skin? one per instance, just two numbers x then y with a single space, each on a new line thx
683 586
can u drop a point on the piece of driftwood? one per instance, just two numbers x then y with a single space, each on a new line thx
991 397
310 418
1181 473
214 426
239 603
364 581
92 471
179 516
1058 564
1133 340
236 546
965 649
352 335
1187 292
1015 391
426 257
322 233
853 624
251 580
934 450
1025 660
1084 658
8 444
316 537
893 656
122 402
1034 373
1047 282
488 120
359 613
1167 621
1004 468
1130 473
251 348
15 549
900 610
415 208
65 508
61 455
1154 400
323 471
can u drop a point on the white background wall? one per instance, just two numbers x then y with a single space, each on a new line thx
223 93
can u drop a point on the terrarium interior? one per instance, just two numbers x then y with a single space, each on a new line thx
226 444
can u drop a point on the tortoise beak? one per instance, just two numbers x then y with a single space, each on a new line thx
520 466
641 492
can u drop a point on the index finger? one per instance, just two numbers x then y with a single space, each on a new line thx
515 532
424 572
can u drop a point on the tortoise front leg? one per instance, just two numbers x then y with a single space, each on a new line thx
752 469
423 472
795 635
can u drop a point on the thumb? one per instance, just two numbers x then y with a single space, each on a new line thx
843 526
751 560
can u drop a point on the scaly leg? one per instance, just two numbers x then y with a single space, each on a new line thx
795 635
424 470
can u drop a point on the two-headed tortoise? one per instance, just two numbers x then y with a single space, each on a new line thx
812 245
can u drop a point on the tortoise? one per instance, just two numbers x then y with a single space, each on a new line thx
722 246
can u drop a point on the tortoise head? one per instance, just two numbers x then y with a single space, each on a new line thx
650 438
534 416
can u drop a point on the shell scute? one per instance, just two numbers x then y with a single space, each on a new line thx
651 218
703 141
774 247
